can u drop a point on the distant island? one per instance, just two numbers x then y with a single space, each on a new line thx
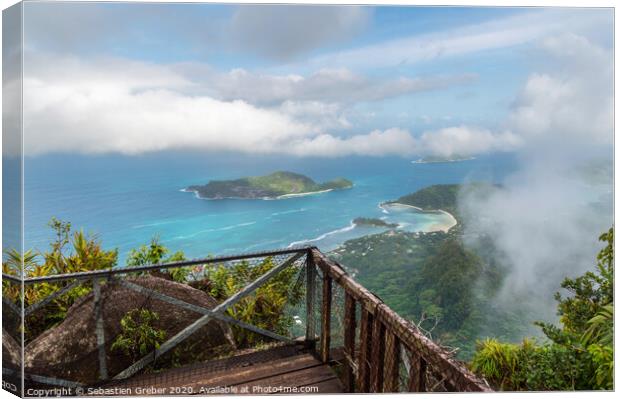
440 159
373 222
276 185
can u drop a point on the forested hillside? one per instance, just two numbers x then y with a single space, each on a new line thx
433 279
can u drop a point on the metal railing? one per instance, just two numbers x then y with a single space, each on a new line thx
382 351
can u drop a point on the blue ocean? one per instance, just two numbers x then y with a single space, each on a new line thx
125 201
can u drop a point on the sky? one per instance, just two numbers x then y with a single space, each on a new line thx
328 81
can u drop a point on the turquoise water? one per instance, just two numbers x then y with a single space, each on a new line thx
127 200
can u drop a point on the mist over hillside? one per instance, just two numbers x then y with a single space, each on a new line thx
546 219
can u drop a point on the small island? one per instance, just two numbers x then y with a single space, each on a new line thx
373 222
277 185
441 159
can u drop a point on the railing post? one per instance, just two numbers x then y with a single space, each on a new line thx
326 317
417 374
99 329
376 360
363 363
391 363
310 279
349 342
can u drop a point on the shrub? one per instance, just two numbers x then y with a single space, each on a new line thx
266 308
138 336
155 253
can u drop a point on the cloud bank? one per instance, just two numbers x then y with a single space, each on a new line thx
326 85
117 105
94 104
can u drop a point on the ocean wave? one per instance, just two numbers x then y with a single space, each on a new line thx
264 243
288 212
141 226
234 226
323 236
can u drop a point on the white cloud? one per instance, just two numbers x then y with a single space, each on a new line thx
496 34
325 85
115 105
392 141
327 116
465 141
447 142
573 101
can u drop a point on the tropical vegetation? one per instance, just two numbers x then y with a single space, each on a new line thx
577 355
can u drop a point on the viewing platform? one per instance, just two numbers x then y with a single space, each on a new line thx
289 321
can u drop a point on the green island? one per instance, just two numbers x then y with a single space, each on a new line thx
373 222
280 184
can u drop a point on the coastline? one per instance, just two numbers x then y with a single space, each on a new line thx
437 227
453 222
350 227
285 196
433 228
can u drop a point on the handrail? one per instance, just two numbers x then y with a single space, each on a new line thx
380 321
131 269
12 278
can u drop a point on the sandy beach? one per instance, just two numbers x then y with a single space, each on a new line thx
303 194
445 227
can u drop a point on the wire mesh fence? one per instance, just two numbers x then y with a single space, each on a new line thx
85 328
